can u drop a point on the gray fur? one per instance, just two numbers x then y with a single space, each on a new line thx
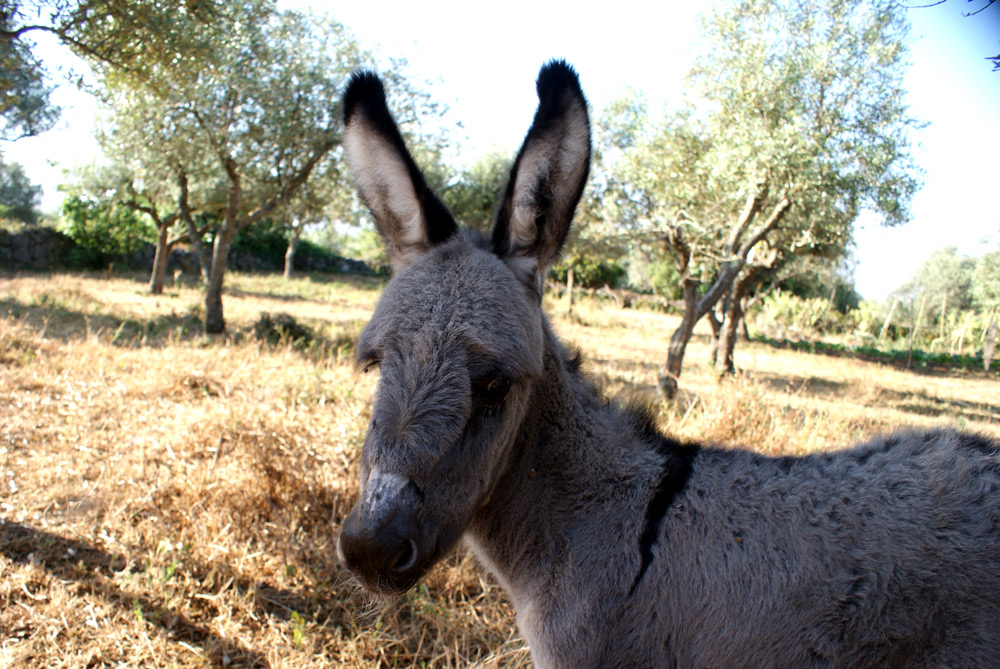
621 547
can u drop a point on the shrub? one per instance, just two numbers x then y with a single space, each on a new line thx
104 234
590 272
783 314
267 241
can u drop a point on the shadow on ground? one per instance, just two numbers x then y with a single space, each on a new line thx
74 561
919 403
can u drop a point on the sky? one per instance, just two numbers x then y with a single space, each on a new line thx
483 64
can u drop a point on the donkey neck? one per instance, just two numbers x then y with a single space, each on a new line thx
579 477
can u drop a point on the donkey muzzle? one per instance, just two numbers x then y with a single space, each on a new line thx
380 541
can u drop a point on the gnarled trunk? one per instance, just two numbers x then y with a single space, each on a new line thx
716 324
215 323
724 363
679 340
163 248
695 308
293 244
194 234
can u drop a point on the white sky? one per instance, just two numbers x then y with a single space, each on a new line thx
483 63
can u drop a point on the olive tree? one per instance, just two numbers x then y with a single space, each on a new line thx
795 123
19 198
248 101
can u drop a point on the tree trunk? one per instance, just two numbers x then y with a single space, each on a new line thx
163 249
695 308
293 243
727 342
990 346
199 250
215 323
961 334
730 326
194 235
679 341
716 324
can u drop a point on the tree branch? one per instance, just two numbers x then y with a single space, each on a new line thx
750 210
770 224
11 35
978 10
291 185
235 192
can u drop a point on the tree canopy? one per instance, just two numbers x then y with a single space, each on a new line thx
139 38
944 277
19 198
795 122
26 108
241 116
985 281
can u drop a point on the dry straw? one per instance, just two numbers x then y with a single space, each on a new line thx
172 500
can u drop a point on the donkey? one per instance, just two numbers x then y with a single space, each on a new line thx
620 546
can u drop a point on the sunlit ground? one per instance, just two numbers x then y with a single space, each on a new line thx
170 499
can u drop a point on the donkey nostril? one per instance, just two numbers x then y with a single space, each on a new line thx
406 557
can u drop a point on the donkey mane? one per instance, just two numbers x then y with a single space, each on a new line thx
618 545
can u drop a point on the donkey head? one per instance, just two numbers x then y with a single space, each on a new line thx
458 331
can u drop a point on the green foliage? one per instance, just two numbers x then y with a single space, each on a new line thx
19 198
590 272
665 280
868 317
917 358
310 249
819 281
137 40
104 234
253 88
362 244
788 314
266 241
658 275
26 108
945 275
790 102
472 195
986 281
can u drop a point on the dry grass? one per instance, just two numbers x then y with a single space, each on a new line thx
169 499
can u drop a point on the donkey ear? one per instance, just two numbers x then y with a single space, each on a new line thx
547 179
408 215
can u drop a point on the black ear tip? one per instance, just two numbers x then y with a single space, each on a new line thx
555 77
364 87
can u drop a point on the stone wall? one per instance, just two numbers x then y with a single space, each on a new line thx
35 247
43 247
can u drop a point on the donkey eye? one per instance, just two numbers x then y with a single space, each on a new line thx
371 364
491 390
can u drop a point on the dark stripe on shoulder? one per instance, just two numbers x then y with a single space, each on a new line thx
678 464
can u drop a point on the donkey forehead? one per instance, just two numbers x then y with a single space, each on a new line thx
458 294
